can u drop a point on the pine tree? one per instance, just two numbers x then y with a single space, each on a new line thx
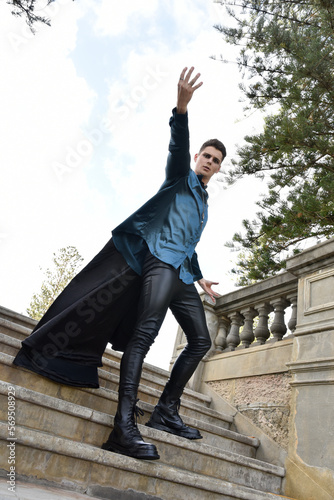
27 9
65 267
287 53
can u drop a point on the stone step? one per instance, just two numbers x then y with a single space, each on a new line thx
60 429
72 416
105 401
63 419
9 345
15 330
24 490
100 399
83 467
16 318
152 376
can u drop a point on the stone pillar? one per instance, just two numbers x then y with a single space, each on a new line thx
311 448
293 320
220 341
233 337
247 334
262 332
278 328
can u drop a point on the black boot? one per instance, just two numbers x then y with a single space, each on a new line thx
125 437
165 416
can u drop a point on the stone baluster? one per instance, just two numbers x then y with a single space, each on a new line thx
247 334
278 328
293 320
233 338
262 332
220 340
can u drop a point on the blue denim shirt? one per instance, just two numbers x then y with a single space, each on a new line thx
170 224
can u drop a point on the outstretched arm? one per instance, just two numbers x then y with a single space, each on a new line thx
178 162
185 89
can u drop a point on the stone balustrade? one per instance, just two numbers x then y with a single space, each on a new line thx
244 319
240 319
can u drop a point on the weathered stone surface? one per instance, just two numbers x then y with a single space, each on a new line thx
274 421
264 399
251 362
312 369
42 490
317 446
83 467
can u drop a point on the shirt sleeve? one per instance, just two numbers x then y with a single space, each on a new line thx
178 161
197 274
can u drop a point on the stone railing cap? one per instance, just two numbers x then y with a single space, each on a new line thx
311 259
278 286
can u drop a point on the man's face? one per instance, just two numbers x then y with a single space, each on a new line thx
208 162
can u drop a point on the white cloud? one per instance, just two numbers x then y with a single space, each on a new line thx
113 16
191 16
44 104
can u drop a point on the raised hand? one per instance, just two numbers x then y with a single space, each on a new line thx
185 89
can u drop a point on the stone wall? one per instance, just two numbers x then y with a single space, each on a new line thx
282 388
264 399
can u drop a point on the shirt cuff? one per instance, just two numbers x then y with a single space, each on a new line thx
180 116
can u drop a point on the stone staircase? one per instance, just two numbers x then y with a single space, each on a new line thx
59 431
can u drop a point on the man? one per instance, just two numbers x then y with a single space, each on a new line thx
148 266
170 226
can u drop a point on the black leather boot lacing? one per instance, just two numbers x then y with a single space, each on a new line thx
125 437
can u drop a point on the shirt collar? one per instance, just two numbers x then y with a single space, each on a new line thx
200 177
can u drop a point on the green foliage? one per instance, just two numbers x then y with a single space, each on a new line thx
65 267
287 53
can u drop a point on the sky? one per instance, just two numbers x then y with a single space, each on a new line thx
84 132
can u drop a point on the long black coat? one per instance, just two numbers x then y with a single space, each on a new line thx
98 306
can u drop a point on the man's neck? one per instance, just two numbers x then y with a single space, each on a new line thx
202 180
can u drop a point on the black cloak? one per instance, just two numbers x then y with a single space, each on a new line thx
98 306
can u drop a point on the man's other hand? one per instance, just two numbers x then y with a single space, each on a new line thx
206 285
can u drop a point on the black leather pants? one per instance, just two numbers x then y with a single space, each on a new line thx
162 289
